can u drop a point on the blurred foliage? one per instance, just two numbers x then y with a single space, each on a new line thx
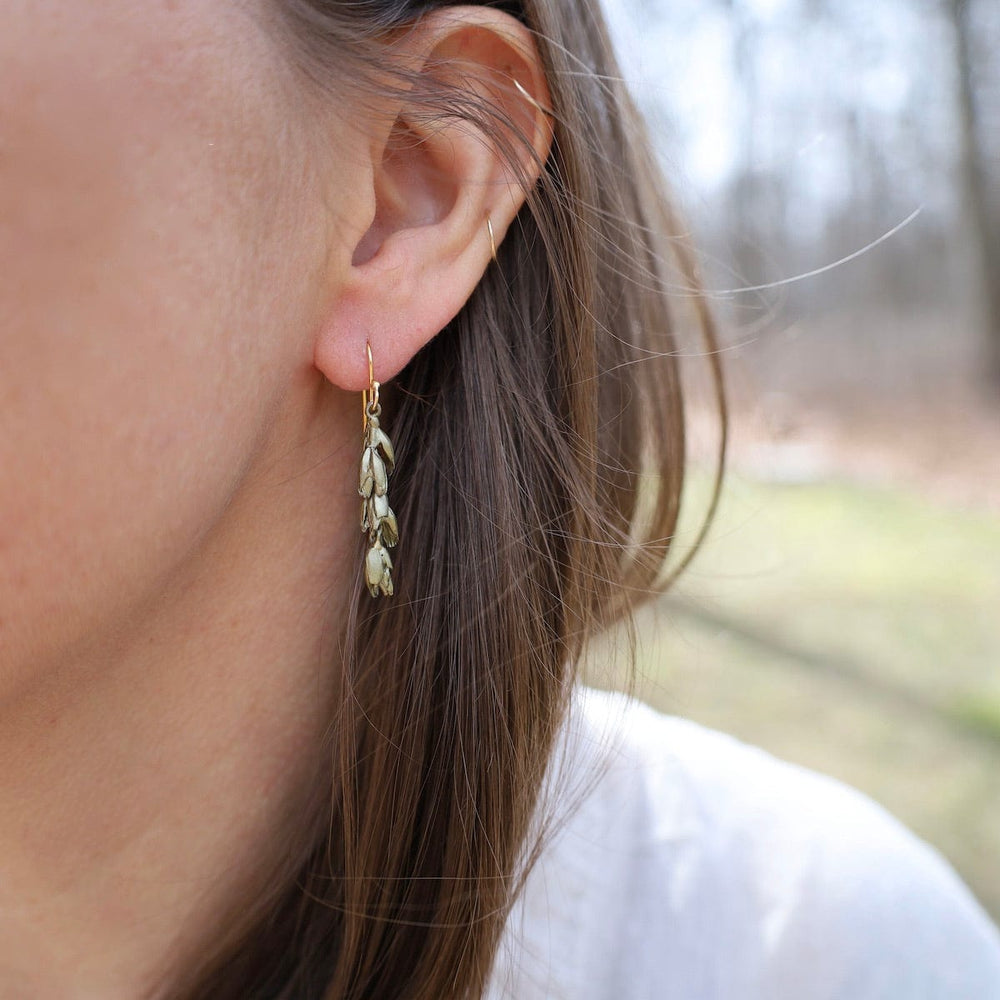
848 624
800 132
854 631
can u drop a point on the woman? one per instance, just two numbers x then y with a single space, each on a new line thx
252 749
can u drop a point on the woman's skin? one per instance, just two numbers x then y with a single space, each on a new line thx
190 265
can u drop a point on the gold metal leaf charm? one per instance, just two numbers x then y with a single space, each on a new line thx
366 483
384 520
377 571
381 440
379 475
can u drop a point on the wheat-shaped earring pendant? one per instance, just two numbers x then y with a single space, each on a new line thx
377 518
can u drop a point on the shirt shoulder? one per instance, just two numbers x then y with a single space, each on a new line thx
682 862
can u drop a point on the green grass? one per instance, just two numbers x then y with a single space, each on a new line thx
856 631
980 715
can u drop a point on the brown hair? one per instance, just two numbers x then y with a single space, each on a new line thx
541 449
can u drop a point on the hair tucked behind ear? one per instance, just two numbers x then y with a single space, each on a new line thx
542 448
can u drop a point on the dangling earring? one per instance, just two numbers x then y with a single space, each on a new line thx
377 518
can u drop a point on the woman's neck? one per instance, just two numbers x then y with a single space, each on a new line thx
145 782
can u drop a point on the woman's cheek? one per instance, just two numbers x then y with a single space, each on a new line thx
132 341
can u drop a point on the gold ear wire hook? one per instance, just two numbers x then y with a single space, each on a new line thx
371 393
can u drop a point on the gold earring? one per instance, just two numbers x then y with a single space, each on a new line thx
493 240
377 518
544 110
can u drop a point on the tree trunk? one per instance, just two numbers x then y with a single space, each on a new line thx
984 247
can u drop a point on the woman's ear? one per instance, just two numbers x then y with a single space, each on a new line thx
438 172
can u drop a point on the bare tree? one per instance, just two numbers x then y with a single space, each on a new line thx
979 225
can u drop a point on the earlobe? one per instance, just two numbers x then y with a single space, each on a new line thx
436 177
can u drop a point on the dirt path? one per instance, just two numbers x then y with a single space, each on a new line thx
946 448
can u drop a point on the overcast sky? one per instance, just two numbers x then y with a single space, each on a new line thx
886 60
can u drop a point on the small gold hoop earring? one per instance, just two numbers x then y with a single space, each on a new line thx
493 239
377 463
545 111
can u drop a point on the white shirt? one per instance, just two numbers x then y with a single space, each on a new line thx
698 868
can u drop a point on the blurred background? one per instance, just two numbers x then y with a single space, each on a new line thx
837 161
